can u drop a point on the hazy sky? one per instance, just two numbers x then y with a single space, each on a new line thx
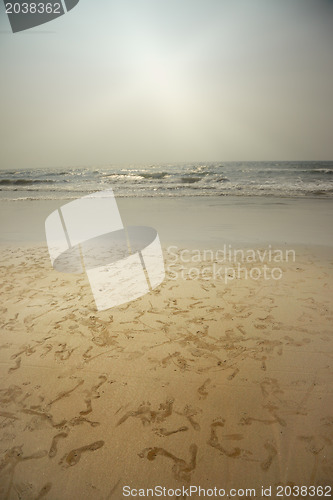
144 81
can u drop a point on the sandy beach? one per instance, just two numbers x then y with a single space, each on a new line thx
166 250
201 382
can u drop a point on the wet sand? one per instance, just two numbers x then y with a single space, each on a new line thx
195 222
200 382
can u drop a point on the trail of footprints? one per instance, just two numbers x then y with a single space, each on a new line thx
218 437
41 417
200 352
194 349
181 468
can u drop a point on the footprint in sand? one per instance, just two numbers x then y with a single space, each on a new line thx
12 458
234 437
73 457
54 449
268 346
177 359
65 394
82 420
44 491
233 375
249 420
27 350
164 432
47 417
94 390
87 401
202 391
293 342
64 353
182 470
263 363
265 465
189 413
314 444
16 367
93 393
147 415
215 443
10 395
259 327
47 348
86 354
270 387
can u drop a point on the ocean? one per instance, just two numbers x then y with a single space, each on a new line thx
272 179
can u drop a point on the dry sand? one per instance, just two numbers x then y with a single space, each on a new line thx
199 382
